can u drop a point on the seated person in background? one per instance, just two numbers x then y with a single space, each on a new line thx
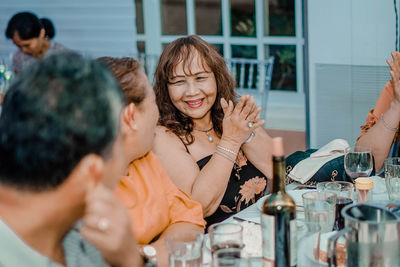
29 35
211 145
157 207
61 155
382 124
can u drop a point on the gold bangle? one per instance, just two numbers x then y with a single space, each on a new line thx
393 129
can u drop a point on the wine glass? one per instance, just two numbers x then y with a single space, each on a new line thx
358 162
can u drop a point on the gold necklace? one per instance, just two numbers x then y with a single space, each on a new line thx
210 138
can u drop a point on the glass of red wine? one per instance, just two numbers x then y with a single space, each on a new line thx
344 196
225 235
358 162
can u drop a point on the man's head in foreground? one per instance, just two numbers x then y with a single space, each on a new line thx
60 118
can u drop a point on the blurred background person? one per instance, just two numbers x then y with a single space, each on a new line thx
28 34
61 155
156 206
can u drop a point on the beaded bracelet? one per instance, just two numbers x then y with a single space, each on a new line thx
227 150
225 156
393 129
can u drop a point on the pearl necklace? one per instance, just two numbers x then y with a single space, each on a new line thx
210 138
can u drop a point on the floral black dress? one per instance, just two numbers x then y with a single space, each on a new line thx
246 185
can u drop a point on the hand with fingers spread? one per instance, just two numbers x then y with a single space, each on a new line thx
395 74
107 226
240 120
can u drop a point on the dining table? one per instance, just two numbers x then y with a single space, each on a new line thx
252 216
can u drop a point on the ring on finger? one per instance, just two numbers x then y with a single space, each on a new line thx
250 124
103 224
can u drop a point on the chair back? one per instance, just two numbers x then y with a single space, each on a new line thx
149 64
253 77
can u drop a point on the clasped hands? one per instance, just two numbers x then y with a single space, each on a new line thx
240 119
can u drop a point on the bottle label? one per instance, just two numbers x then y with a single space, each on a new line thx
293 243
268 239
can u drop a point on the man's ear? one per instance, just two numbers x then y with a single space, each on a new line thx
42 33
128 116
92 169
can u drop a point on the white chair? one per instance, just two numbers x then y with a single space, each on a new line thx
149 64
253 77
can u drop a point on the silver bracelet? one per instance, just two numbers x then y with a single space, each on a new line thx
227 150
393 129
225 156
248 140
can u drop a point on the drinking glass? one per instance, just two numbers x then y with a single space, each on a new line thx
319 207
184 248
358 162
225 235
392 178
321 186
230 257
344 196
308 243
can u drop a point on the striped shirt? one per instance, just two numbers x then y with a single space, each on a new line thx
14 252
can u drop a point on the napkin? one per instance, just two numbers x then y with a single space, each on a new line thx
305 169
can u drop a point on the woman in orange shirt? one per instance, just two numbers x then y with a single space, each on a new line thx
382 124
155 204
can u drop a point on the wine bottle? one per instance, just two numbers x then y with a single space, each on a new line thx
278 216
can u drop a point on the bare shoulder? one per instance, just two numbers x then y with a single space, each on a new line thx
167 142
166 137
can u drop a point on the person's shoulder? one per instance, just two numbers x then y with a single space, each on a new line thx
57 47
78 249
166 141
165 134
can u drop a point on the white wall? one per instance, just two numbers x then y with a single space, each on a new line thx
347 32
95 27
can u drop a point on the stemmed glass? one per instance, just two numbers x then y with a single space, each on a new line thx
358 162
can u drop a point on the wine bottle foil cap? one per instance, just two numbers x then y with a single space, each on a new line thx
364 183
277 147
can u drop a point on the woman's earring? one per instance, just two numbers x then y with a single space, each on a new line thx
134 127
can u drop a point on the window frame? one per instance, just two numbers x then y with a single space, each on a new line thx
154 39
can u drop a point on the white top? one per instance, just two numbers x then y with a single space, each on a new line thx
15 252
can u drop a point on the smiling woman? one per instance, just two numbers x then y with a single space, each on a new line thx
221 154
28 34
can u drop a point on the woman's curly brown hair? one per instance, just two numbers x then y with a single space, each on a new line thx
181 50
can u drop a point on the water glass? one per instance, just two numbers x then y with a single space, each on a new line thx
319 207
321 186
230 257
308 243
344 196
358 162
392 178
225 235
184 248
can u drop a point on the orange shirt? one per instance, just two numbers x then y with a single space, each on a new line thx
153 201
382 104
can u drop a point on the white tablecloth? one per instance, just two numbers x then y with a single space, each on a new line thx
252 213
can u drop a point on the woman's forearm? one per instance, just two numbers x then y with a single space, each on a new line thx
380 137
210 185
258 151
